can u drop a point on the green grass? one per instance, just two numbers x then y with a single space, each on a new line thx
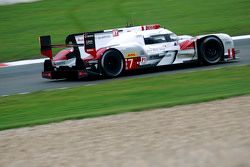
20 25
121 96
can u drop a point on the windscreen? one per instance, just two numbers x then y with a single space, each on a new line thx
163 38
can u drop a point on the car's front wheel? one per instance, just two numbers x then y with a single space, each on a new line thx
211 50
112 63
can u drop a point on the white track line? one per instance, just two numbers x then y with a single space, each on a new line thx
241 37
90 85
36 61
10 2
23 93
5 95
22 62
25 62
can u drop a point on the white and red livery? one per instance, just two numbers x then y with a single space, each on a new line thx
111 52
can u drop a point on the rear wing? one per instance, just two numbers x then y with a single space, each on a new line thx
91 41
46 46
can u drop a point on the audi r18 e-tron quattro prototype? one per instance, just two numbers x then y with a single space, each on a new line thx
111 52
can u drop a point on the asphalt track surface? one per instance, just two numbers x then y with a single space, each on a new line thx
27 78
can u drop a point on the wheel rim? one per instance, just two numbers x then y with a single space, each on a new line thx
212 51
112 64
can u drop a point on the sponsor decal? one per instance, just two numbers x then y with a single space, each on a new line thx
103 37
90 50
143 60
89 42
128 55
59 63
80 39
89 35
115 33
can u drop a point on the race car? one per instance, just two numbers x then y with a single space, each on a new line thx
111 52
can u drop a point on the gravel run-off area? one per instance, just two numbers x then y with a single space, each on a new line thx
208 134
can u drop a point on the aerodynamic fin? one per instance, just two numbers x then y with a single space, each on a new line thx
46 46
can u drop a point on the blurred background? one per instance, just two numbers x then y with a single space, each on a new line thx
22 24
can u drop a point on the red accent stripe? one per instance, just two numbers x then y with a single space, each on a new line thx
61 55
187 45
92 52
233 53
152 26
3 65
47 53
229 54
99 53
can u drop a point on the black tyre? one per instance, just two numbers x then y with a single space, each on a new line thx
211 50
48 66
112 63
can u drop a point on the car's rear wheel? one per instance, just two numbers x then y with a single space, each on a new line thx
211 50
112 63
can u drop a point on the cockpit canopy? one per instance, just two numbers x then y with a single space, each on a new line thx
162 38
